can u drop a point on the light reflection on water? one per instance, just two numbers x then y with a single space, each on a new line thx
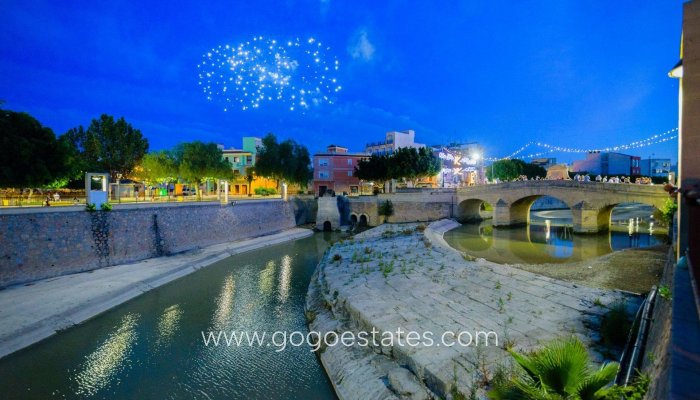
151 347
108 360
545 243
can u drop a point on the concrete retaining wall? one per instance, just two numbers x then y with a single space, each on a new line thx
45 244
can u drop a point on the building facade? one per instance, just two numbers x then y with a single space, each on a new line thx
242 160
393 140
334 171
462 164
544 162
597 163
655 167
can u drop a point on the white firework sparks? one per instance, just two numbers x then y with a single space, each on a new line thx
297 73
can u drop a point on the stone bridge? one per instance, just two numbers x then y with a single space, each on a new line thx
591 203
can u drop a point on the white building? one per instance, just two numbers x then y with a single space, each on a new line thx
392 142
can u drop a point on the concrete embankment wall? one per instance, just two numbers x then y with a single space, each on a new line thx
44 244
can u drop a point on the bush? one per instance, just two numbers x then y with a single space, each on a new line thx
560 370
386 209
616 325
91 207
265 191
106 207
337 257
666 212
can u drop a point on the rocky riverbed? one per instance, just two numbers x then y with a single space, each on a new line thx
406 276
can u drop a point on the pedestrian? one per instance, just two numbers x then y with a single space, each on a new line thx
47 202
56 197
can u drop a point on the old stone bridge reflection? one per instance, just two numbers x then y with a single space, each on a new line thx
542 244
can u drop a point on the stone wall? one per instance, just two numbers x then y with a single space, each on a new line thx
43 244
408 207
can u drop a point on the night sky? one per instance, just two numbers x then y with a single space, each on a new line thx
572 73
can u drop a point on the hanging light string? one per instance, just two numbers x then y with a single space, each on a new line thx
652 140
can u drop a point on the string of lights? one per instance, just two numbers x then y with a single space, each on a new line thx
652 140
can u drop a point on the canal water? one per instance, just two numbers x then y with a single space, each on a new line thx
152 346
549 239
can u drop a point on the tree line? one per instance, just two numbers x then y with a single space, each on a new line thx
507 170
36 157
406 163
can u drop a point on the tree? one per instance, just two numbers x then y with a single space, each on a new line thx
507 170
32 156
158 167
198 162
373 169
285 161
411 164
107 145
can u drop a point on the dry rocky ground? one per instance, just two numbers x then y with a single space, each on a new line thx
405 276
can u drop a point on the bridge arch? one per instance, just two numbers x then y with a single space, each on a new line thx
364 220
519 211
354 219
473 210
605 214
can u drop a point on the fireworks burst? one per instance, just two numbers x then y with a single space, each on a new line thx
297 73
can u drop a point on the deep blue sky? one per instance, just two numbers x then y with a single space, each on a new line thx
575 73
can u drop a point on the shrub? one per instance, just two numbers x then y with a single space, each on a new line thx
106 207
420 228
667 211
265 191
386 209
337 257
665 292
616 325
91 207
560 370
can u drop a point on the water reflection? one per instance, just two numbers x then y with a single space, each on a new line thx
285 277
108 360
168 325
151 347
546 243
224 303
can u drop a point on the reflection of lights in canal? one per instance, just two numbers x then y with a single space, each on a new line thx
547 242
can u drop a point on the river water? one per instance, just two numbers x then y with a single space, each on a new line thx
152 347
550 238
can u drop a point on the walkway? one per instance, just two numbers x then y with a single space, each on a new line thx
33 312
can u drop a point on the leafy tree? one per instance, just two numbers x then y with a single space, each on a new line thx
411 164
560 370
507 170
107 145
157 167
32 156
406 163
198 162
250 177
285 161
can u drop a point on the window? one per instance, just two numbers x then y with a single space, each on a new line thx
349 161
236 159
349 173
322 162
323 174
